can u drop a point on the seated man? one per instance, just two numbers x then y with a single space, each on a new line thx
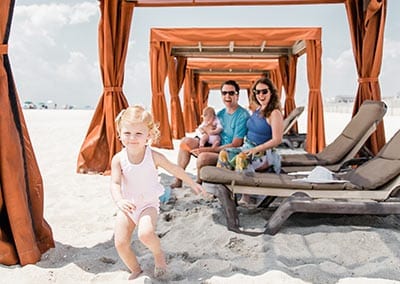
233 119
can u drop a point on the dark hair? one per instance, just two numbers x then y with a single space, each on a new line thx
232 83
274 102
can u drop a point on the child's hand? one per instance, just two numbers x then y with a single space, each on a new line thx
199 189
125 206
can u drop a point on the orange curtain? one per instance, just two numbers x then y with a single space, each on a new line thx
367 23
276 78
101 142
288 68
24 234
191 111
197 98
205 93
176 76
315 141
159 52
202 96
283 67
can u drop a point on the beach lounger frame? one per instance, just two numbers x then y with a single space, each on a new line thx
292 140
372 188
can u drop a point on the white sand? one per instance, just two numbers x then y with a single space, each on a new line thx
308 249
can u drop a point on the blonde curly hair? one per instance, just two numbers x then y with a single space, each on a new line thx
135 114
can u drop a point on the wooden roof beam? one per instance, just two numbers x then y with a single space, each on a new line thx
228 71
188 3
239 52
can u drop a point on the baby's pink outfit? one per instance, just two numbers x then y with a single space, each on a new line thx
211 138
140 183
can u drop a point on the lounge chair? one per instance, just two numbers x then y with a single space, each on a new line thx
291 119
292 140
372 188
345 146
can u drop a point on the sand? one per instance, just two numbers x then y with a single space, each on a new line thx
309 248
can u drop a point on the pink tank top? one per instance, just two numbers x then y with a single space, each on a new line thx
140 182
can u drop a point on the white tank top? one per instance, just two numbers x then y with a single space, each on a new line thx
140 182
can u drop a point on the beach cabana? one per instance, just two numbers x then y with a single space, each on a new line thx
366 21
24 233
205 74
283 44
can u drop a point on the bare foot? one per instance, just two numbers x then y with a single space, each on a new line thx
176 184
160 264
135 274
159 272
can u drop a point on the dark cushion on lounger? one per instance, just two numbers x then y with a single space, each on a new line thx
358 126
299 159
381 169
268 180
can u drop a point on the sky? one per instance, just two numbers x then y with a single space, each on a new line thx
54 54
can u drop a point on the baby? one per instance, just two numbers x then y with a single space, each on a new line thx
209 129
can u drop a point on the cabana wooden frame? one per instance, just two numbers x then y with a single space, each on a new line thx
205 74
286 45
100 143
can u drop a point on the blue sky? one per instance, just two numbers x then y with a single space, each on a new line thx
53 47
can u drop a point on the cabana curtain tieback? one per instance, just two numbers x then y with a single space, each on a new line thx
367 79
112 89
3 48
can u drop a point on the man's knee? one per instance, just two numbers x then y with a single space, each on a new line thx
206 159
188 144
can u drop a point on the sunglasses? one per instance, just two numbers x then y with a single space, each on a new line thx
263 91
231 93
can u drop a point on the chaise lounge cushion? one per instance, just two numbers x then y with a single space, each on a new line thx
372 175
224 176
353 132
292 118
381 169
335 152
